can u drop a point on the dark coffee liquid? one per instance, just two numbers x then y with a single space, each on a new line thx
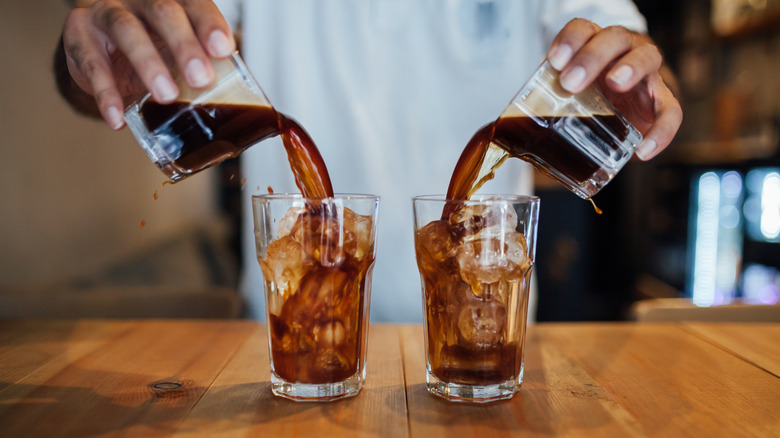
475 366
204 135
320 333
207 134
531 140
311 174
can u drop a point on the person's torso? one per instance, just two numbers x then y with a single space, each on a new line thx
391 91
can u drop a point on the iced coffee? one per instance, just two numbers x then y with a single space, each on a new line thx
475 259
316 255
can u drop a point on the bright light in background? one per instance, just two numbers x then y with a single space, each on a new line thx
770 206
762 206
761 285
731 183
706 247
717 239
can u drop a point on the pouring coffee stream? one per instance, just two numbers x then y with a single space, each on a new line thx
521 138
578 140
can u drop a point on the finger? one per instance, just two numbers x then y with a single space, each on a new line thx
592 58
131 37
84 55
640 62
668 118
170 21
97 71
211 27
569 40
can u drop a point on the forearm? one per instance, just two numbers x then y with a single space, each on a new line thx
80 100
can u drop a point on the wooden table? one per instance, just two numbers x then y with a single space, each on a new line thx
94 378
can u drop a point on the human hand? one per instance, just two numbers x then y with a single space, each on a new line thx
628 68
119 48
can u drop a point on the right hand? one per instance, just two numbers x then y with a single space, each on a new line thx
117 49
633 70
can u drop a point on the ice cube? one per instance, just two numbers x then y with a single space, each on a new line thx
435 245
331 360
516 252
321 236
471 219
481 323
288 222
283 266
359 232
323 295
331 333
296 339
491 258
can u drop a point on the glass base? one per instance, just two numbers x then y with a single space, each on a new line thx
473 393
317 392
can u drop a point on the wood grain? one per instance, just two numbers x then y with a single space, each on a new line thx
671 382
240 402
185 378
756 343
557 397
108 389
609 380
31 352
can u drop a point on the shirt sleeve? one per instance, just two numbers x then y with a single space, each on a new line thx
556 13
231 10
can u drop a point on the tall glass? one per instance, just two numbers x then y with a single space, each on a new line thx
317 256
475 258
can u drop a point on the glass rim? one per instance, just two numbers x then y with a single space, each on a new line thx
478 199
531 82
299 196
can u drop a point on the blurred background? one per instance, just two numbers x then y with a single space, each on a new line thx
88 229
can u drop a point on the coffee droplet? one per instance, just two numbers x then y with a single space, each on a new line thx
154 196
270 190
142 224
598 210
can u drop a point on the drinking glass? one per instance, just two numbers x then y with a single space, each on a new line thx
475 259
317 256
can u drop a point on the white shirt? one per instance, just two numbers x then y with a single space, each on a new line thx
391 91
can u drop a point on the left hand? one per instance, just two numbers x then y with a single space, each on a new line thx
628 68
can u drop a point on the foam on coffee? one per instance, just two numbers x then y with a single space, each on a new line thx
229 87
553 101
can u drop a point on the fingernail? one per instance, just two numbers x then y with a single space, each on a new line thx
622 75
197 75
164 88
572 79
646 149
220 45
559 56
114 118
